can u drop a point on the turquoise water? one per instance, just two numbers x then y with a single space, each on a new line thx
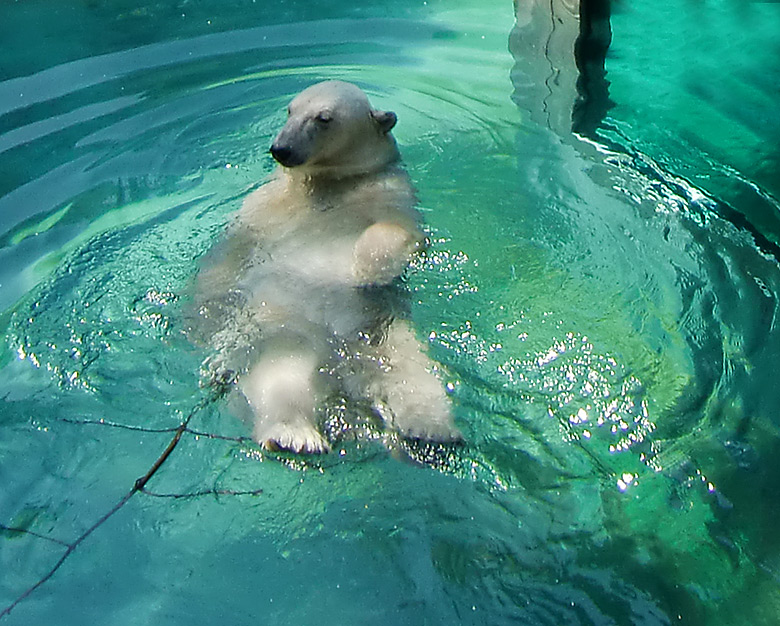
605 304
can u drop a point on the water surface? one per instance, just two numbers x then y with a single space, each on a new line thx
604 302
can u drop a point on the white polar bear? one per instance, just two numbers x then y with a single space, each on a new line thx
298 283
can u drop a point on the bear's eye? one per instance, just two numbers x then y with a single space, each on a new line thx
324 118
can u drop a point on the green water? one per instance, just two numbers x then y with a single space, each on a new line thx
605 307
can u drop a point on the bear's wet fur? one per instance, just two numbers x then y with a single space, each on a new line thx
300 290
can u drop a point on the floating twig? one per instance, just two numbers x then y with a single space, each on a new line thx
138 486
205 492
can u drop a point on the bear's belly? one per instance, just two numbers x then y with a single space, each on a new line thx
302 282
307 263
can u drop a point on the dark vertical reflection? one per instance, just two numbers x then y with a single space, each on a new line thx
560 48
590 51
544 74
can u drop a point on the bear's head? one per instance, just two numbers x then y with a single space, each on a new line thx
332 130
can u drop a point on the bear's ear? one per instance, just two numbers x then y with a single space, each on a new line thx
385 119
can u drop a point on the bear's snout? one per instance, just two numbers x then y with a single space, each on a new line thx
285 155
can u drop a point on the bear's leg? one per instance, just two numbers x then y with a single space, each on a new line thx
407 393
285 389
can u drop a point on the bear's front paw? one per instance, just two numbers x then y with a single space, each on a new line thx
382 253
300 438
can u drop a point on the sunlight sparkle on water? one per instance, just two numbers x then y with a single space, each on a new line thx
626 480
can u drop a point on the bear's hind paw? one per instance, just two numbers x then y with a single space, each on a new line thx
439 429
445 433
302 440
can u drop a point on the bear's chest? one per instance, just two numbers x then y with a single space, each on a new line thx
307 250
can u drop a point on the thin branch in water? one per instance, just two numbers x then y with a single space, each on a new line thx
198 433
71 548
139 485
24 531
101 422
205 492
143 429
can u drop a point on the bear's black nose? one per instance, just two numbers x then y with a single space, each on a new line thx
285 155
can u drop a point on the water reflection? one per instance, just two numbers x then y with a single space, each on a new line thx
684 265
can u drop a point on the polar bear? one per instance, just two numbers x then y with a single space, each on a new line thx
301 292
